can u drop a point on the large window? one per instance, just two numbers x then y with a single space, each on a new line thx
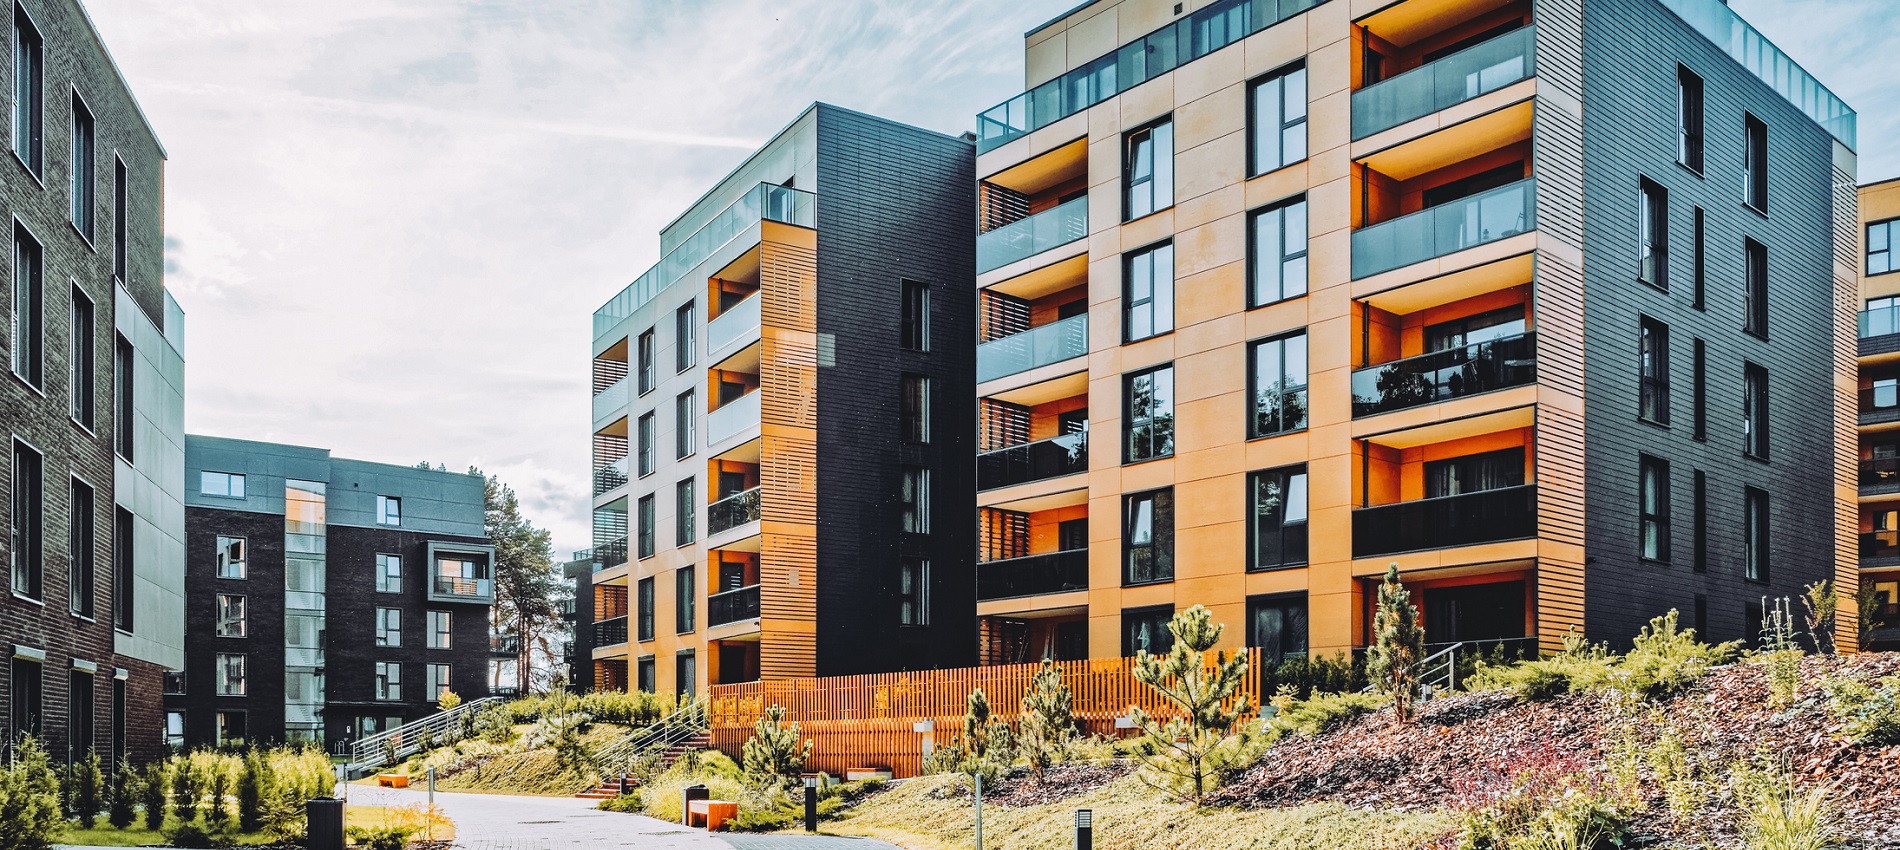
1278 123
1148 170
388 573
1755 534
1652 228
685 337
644 625
1146 630
913 332
645 364
685 506
388 510
389 627
1689 118
1278 529
79 183
1279 253
389 680
913 592
644 675
231 620
26 687
1148 414
28 323
441 632
646 522
1755 288
1880 236
123 409
1474 473
684 440
81 581
29 501
1276 385
231 674
1148 537
222 484
913 498
233 557
1754 163
122 547
120 206
914 410
79 362
685 595
645 437
1276 627
1654 502
28 83
1653 371
1148 292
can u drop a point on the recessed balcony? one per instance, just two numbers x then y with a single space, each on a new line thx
1438 376
610 632
1033 575
733 606
1444 83
1445 229
1037 461
1880 548
1019 240
1485 516
1879 476
733 418
733 511
1879 331
610 403
737 325
1055 342
610 554
609 476
1880 403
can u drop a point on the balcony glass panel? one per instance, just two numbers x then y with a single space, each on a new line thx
610 475
611 632
733 511
610 403
1723 27
733 606
739 323
1056 226
1441 375
1452 80
1880 544
1033 575
1033 348
732 419
474 588
1487 516
610 554
1879 321
1880 472
1445 229
1051 458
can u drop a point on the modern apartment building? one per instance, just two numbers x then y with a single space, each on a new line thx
1878 353
94 610
328 598
782 420
1537 298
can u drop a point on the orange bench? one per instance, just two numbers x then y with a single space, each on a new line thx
392 780
712 813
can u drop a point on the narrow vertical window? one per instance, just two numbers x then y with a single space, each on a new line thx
1148 537
231 679
1278 528
1700 402
122 572
389 627
1689 119
646 526
1654 371
1700 263
28 83
1755 163
232 622
684 597
1148 292
644 675
28 321
645 617
1148 170
79 713
914 410
684 438
914 328
120 207
685 337
685 522
1701 530
388 681
913 499
438 683
80 180
1755 288
26 686
646 361
913 592
1654 499
1652 219
122 424
1279 253
29 502
79 371
1277 386
81 580
441 633
388 570
645 439
1148 415
1755 534
1279 119
1755 411
1880 245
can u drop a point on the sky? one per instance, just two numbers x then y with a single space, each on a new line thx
389 221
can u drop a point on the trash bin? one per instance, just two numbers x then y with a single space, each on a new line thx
687 796
325 824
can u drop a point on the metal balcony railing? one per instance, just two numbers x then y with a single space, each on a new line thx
610 475
1050 458
1487 516
1441 375
1880 473
733 606
1445 229
1033 348
1054 227
1476 70
611 632
1879 321
733 511
504 644
473 588
1033 575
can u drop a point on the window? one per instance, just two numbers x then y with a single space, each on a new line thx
79 370
1880 236
646 526
231 728
913 333
1148 170
80 572
1277 385
440 634
231 620
122 608
233 557
119 210
646 610
28 323
645 675
175 729
388 510
26 695
1474 473
223 484
685 675
1701 264
122 406
685 337
231 674
685 507
1148 537
1655 509
913 497
1655 371
1146 630
684 439
1689 119
1279 253
645 436
1755 411
914 399
388 573
1276 628
388 680
913 592
1279 518
27 85
118 721
1701 386
1148 415
1652 224
79 183
1755 291
28 514
389 627
1754 163
1701 510
438 680
1755 534
646 361
1148 292
685 594
79 714
1278 123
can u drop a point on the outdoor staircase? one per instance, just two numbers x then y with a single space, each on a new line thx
610 788
376 751
652 749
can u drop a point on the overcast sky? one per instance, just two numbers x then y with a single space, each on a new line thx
388 221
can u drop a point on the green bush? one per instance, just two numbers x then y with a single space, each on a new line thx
387 837
88 790
626 803
1324 712
1868 714
152 795
250 792
125 787
637 708
30 817
1304 676
1666 659
1778 814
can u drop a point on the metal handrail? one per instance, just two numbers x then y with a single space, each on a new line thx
375 750
617 759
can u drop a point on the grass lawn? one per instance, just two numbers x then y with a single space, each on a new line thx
103 835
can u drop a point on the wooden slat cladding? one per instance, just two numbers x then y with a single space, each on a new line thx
788 454
1846 234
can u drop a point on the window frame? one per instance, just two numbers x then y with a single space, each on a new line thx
387 683
438 677
1158 432
645 356
913 395
1690 113
648 517
384 578
1279 211
1280 343
1160 545
646 434
1145 613
685 337
82 170
1280 80
28 293
82 360
438 635
230 478
1700 508
686 599
27 522
1888 228
685 436
1754 163
1286 477
913 499
685 511
914 315
1158 305
29 95
1755 288
1757 547
1255 604
223 685
1699 262
124 376
1159 177
388 633
913 592
82 534
389 511
1699 402
1756 411
1652 356
645 610
1652 509
225 603
123 532
121 210
1652 234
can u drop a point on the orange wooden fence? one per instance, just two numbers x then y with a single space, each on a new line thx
870 720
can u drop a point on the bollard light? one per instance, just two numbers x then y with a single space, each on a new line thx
1084 829
811 803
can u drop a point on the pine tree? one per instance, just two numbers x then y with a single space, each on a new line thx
152 795
184 794
989 747
1191 753
125 787
773 757
1398 644
1048 719
88 787
252 779
218 815
525 579
30 816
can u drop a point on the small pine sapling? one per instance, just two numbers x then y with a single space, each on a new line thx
989 747
1194 751
1822 605
774 758
88 790
1048 719
184 792
122 809
1399 645
252 779
152 795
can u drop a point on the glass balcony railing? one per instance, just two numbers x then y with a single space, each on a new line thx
740 322
1726 30
1487 516
610 475
611 554
1880 544
732 418
1880 473
1051 458
1879 321
733 606
1033 575
733 511
610 403
1441 375
1445 229
764 202
611 632
461 586
504 644
1033 348
1880 402
1056 226
1452 80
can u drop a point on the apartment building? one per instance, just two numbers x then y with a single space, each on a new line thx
1878 446
328 598
782 420
1536 298
94 613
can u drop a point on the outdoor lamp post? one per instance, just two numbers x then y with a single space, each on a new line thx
811 804
1084 829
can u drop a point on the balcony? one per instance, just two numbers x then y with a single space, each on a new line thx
1024 238
1487 516
453 588
732 511
1443 375
610 475
610 403
740 323
733 418
610 632
1037 461
610 554
1879 331
508 645
733 606
1883 546
1880 405
1445 229
1033 348
1477 70
1879 476
1033 575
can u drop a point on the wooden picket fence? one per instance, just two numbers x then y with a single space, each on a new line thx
870 721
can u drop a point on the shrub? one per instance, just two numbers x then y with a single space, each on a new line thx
1304 676
184 798
384 837
290 778
773 756
1547 808
1666 659
1322 712
125 788
495 724
88 787
626 803
152 795
1048 719
1398 646
218 814
1193 753
30 818
250 792
1821 605
1868 714
200 834
448 700
1777 814
1781 655
637 708
987 743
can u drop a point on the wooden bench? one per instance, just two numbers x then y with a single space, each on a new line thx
712 813
392 780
